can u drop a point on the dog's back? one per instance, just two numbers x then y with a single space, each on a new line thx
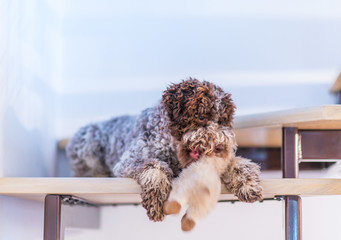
95 145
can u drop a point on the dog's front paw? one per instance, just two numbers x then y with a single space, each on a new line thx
155 181
171 207
153 200
250 193
187 224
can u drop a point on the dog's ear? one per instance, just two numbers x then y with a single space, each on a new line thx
176 102
173 103
226 110
176 96
171 100
183 155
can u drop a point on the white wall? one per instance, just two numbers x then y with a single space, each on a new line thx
134 45
27 108
28 98
115 52
227 221
66 63
21 219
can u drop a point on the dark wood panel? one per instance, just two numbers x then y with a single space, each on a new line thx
270 159
321 144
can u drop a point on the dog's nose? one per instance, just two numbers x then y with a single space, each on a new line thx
195 154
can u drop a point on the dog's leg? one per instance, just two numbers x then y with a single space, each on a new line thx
200 205
171 207
242 179
187 223
178 196
155 179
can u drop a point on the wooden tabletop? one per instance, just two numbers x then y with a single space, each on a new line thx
265 129
124 190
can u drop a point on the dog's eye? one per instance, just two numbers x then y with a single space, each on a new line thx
202 120
219 148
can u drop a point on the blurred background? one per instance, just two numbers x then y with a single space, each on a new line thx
67 63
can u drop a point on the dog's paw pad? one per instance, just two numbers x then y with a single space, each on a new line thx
187 224
171 207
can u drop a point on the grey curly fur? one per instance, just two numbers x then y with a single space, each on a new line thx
126 147
242 179
143 148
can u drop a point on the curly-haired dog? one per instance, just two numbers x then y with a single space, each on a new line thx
144 147
198 185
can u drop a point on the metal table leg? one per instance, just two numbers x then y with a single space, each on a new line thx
52 217
293 205
75 213
293 218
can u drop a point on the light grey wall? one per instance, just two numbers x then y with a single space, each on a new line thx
118 56
28 98
66 63
27 109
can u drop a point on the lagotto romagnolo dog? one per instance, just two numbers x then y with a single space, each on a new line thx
144 147
205 154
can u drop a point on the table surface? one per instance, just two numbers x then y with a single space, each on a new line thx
125 190
265 129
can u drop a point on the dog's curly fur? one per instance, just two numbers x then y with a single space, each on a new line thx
199 183
144 147
242 178
192 104
213 140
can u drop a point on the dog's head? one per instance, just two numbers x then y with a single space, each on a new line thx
192 104
214 140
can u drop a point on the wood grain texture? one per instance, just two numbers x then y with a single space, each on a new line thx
264 129
124 190
319 117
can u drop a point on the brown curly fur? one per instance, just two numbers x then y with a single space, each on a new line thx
242 179
241 176
190 105
213 140
155 183
207 155
190 100
144 147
